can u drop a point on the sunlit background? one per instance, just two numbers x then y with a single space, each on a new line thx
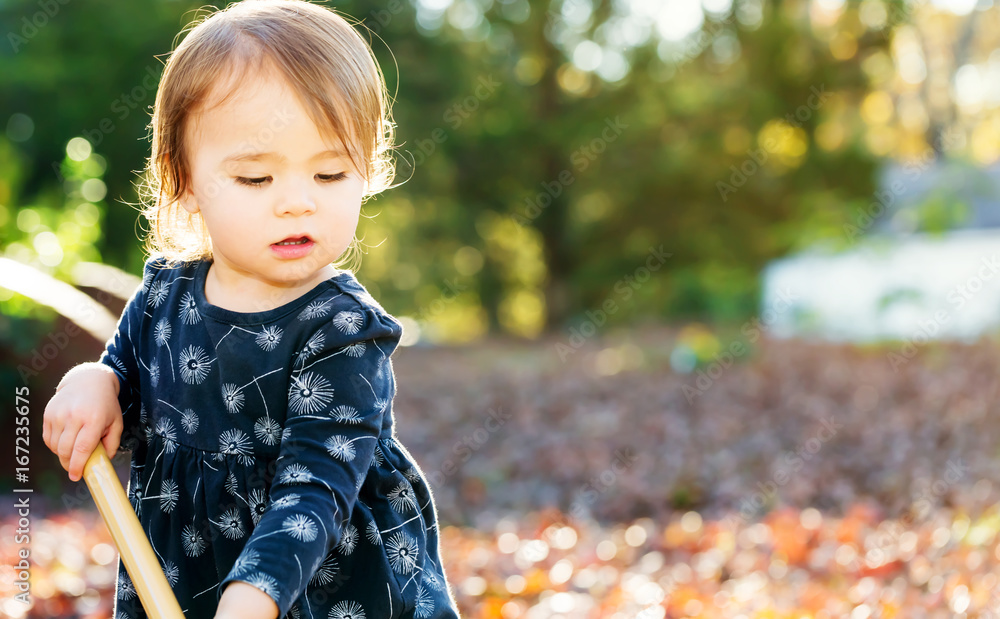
690 232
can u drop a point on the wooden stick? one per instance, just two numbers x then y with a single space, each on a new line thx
154 591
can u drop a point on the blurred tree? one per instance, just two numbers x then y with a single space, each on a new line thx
552 151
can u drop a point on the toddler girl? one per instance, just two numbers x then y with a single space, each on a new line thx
249 377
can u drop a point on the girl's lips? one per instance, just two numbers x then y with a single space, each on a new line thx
293 251
294 238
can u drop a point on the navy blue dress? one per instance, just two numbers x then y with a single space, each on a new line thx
263 450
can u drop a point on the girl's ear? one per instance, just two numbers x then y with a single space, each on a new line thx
187 201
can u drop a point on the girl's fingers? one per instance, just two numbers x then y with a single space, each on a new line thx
67 439
112 438
55 433
86 441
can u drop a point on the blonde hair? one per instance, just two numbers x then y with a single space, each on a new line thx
326 62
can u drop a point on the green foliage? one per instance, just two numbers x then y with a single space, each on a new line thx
533 186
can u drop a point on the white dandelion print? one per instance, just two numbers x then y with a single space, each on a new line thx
192 541
247 560
288 500
402 550
433 581
165 430
425 603
380 404
232 397
401 498
301 527
171 572
265 583
118 364
194 365
286 434
157 293
154 373
348 323
348 539
347 610
326 573
346 414
161 332
168 495
267 431
269 338
146 278
230 524
355 350
189 309
295 474
189 421
126 590
309 394
372 533
313 345
135 494
316 309
258 505
377 458
340 448
412 474
232 486
236 443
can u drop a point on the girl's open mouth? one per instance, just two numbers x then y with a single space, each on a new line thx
293 247
298 241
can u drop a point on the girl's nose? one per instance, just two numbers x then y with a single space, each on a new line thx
297 200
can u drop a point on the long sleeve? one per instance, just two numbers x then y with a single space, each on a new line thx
121 354
340 389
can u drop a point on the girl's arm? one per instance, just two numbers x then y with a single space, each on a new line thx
241 600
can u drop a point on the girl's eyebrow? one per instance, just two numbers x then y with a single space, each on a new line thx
254 156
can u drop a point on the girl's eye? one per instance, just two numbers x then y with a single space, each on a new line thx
259 182
330 178
252 182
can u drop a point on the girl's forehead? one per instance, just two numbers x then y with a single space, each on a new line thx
252 101
256 111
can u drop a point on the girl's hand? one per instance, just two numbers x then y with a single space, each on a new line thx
83 410
241 600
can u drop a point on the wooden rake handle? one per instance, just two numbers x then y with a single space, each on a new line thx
147 576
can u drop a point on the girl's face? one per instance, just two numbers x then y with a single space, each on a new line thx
261 175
